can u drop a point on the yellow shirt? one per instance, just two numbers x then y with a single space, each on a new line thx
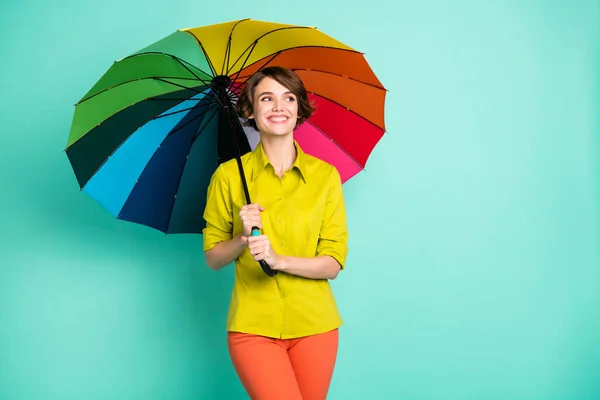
304 216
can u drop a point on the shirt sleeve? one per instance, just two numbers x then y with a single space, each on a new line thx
218 212
333 237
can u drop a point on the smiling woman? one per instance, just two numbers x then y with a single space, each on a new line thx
288 320
266 87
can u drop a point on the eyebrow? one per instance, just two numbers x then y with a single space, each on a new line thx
271 93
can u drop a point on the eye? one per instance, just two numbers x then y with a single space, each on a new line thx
290 98
265 98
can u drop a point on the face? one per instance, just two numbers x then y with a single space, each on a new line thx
275 108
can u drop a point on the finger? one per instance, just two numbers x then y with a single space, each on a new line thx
252 208
257 251
257 240
245 210
254 216
251 218
254 247
250 221
248 218
262 246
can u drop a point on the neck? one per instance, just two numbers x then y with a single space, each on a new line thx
280 152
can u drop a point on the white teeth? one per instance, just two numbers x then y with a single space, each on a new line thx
278 119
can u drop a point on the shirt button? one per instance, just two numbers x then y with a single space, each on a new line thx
279 198
280 220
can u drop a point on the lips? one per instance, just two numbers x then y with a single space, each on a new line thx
277 119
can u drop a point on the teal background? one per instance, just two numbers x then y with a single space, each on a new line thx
473 270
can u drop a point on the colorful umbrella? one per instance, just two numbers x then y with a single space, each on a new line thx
147 137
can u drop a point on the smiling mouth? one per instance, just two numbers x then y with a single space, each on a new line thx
279 118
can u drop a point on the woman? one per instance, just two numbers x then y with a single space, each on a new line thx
282 330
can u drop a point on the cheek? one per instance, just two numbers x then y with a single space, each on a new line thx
293 109
263 110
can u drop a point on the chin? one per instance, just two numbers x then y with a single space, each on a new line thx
279 131
278 134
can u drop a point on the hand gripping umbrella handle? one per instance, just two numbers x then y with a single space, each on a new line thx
237 130
263 264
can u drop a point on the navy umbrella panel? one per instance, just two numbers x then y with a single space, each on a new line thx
159 175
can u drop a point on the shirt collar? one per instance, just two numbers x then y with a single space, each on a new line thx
260 161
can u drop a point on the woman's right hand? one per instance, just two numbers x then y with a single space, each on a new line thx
250 216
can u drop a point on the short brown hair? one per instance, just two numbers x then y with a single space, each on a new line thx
287 78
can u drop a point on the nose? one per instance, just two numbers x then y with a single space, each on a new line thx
277 105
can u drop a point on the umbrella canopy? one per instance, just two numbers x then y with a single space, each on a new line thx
147 137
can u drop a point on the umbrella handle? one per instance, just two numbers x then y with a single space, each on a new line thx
263 264
234 123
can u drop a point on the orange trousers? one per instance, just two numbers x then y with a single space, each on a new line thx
284 369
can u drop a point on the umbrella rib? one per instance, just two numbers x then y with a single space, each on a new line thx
199 101
348 109
130 81
252 45
227 94
233 96
227 54
185 65
334 142
170 98
175 112
225 66
149 161
231 99
302 47
127 138
248 77
198 131
340 75
210 64
178 85
152 98
213 107
209 108
180 60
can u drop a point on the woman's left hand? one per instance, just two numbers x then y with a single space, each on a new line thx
261 249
